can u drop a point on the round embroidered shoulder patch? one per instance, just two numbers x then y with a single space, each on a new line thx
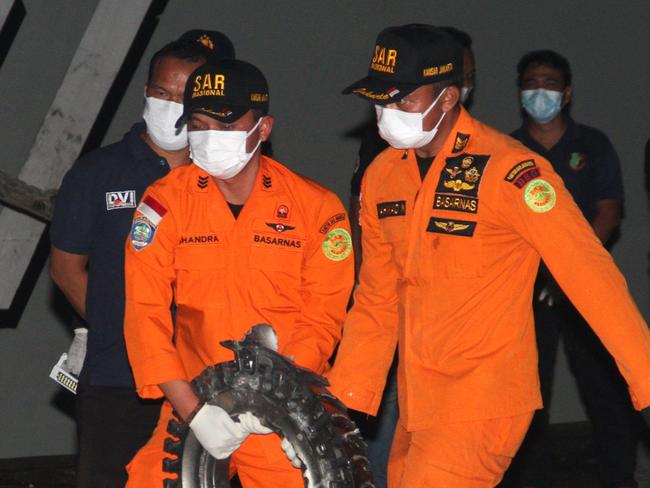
142 232
337 245
539 195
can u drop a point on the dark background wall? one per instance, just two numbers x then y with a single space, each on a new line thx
309 50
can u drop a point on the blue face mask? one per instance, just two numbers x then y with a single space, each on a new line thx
541 104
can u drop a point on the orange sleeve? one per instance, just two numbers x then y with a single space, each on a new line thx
370 332
326 282
148 326
545 215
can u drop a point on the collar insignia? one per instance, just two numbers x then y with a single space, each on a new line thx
461 142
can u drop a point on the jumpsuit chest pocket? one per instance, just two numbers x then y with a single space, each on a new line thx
200 275
277 253
277 247
275 261
453 247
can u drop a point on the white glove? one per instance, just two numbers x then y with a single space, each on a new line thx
77 351
291 453
217 432
295 460
251 424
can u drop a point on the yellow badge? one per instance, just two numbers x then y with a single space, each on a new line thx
539 195
472 175
451 226
460 142
467 162
337 245
458 185
206 41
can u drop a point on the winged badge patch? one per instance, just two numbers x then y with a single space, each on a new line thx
463 228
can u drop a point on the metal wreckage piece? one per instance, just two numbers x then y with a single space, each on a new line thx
286 398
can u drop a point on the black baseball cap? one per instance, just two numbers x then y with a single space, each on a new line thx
225 91
406 57
214 45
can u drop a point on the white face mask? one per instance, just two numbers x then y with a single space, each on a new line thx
221 153
404 130
464 93
161 116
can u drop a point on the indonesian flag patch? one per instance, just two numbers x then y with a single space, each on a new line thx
152 209
143 228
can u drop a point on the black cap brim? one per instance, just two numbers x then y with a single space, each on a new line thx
380 92
226 114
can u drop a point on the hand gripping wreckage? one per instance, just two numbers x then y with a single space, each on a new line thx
290 400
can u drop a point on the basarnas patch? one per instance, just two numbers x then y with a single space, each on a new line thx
540 196
142 232
337 244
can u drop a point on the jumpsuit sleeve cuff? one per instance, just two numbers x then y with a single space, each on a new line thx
640 394
355 398
157 370
150 392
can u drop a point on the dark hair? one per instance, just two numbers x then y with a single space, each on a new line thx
548 58
461 37
184 51
258 113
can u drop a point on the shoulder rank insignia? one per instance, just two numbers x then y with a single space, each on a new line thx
456 227
202 182
522 172
391 209
267 182
460 143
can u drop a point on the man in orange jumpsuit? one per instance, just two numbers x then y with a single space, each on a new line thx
233 240
455 218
